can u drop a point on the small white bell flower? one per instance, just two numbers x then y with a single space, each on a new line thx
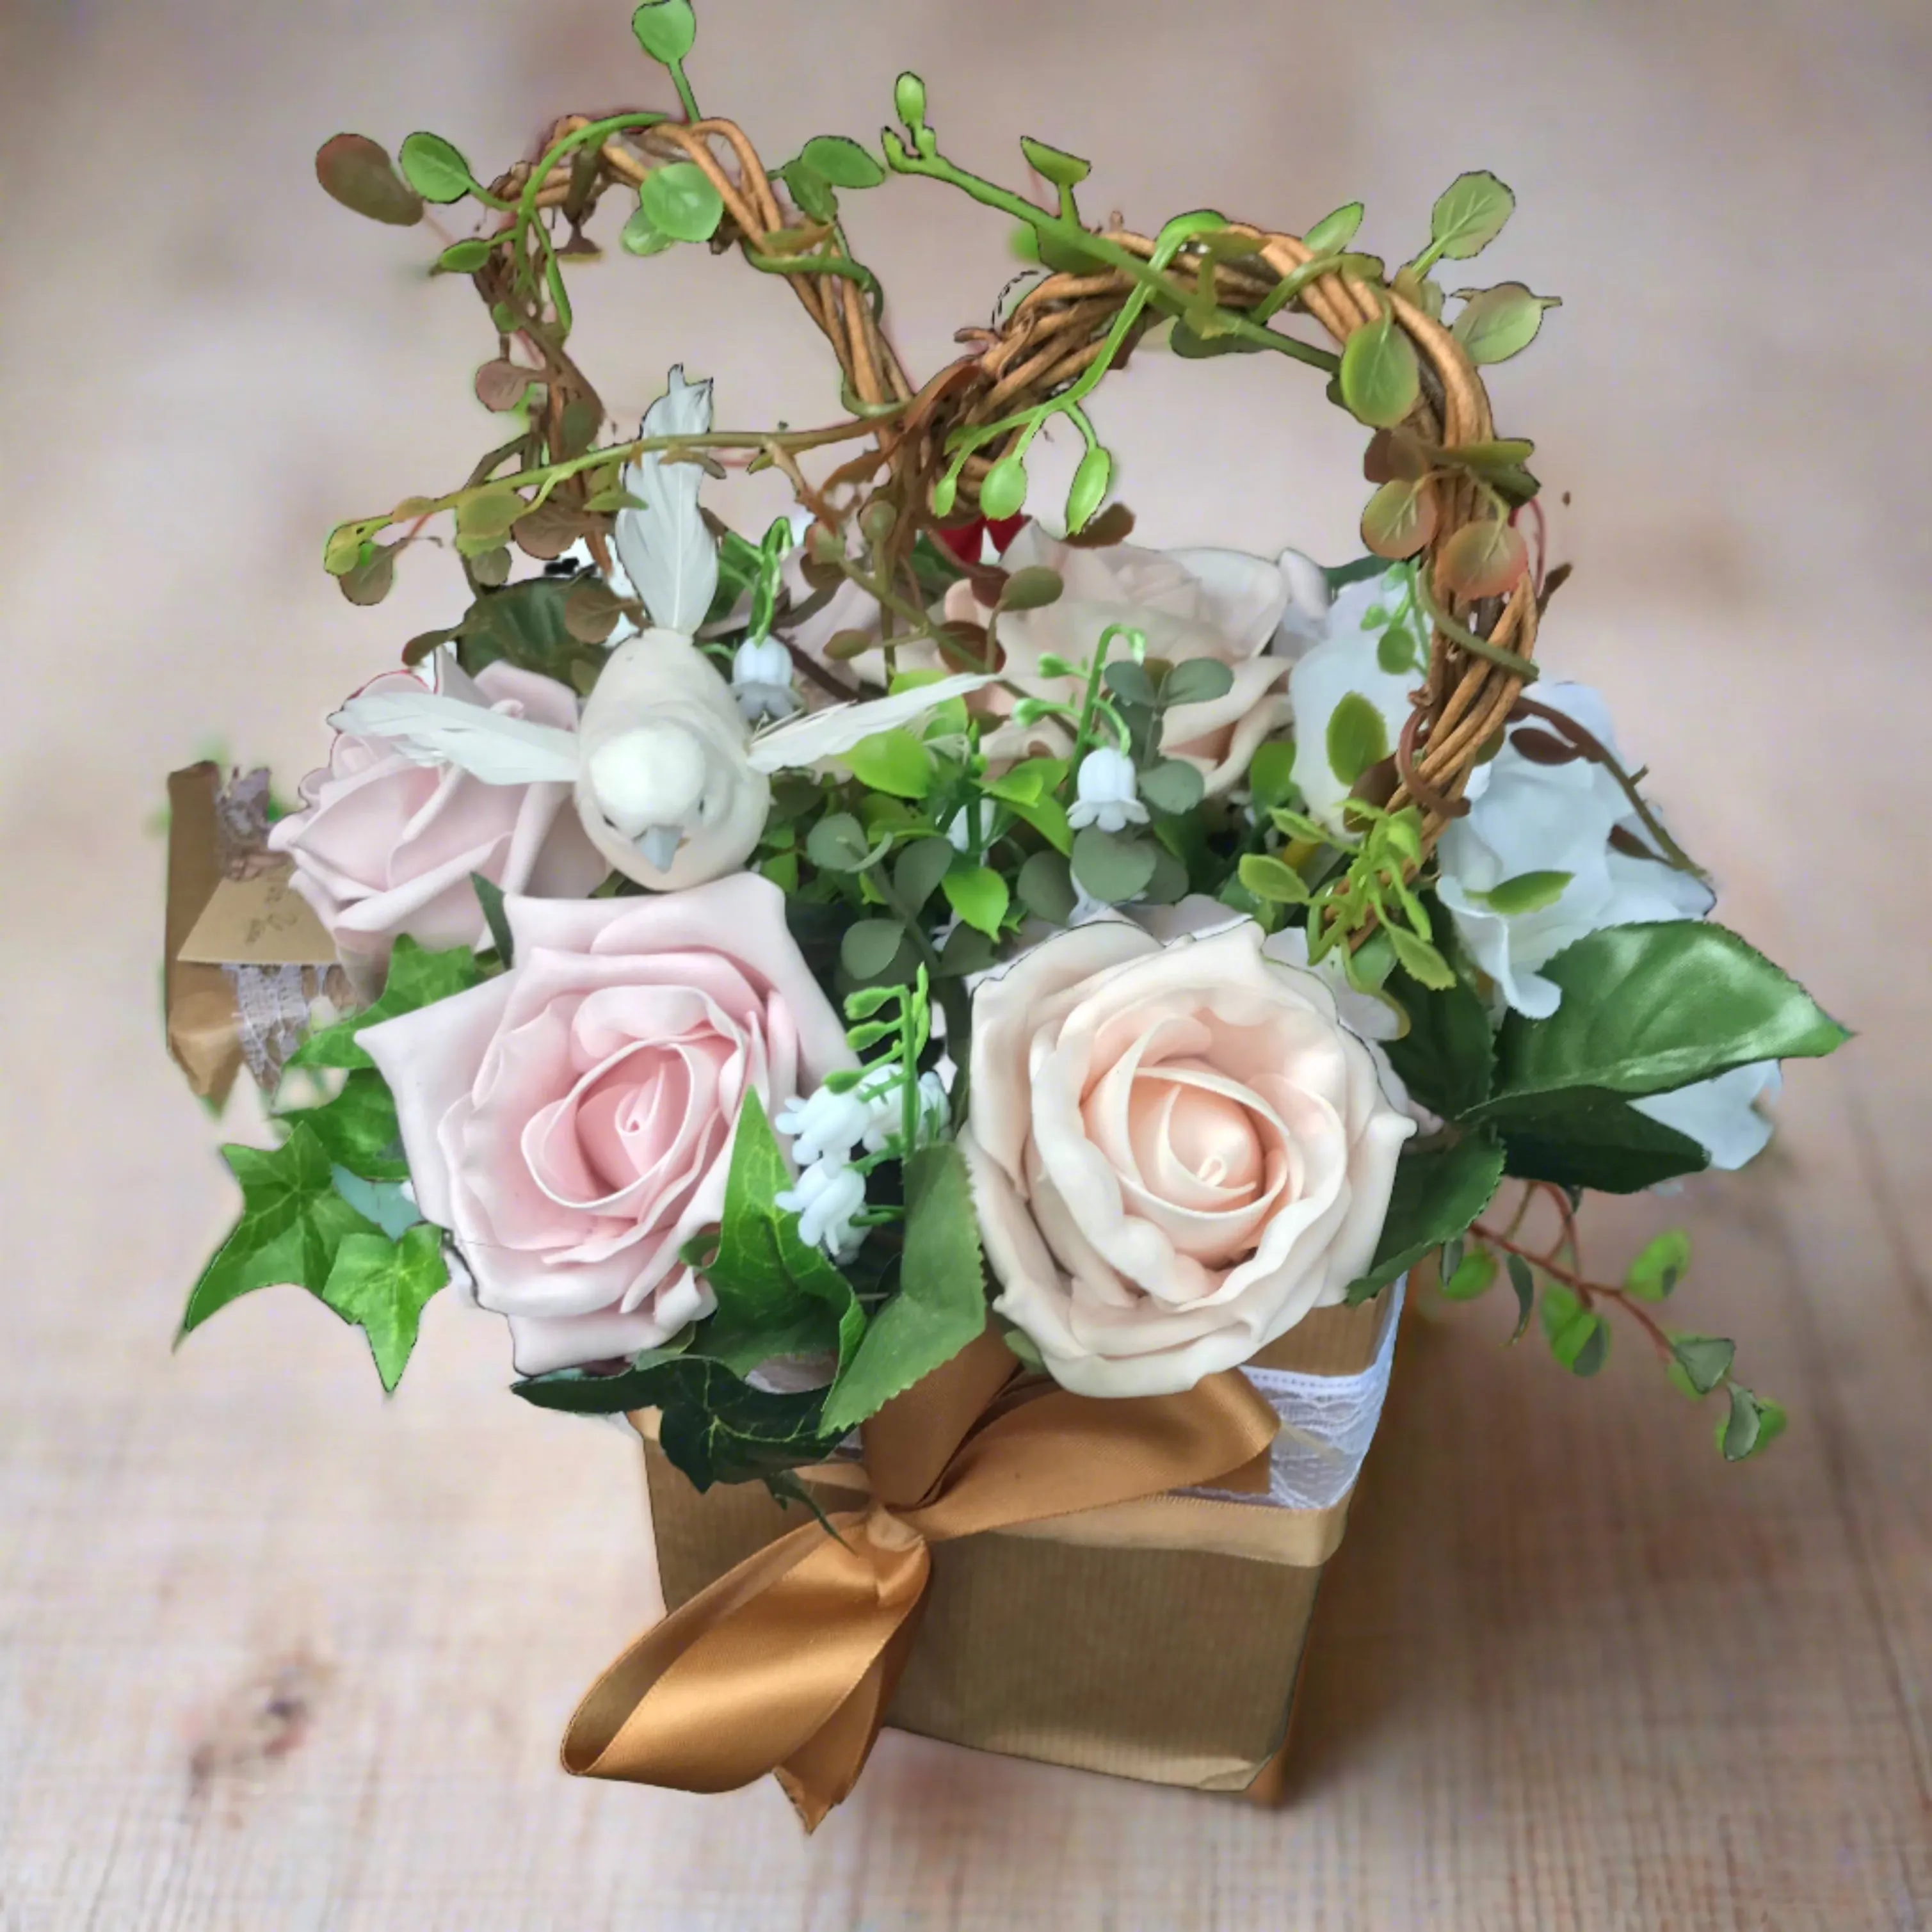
829 1194
1105 793
959 829
761 680
825 1125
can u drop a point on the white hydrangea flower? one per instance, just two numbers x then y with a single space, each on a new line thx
1721 1115
829 1194
761 681
1105 793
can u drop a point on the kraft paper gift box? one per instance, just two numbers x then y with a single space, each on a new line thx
1159 1640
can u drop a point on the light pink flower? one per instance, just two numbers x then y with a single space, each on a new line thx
1176 1151
571 1121
384 845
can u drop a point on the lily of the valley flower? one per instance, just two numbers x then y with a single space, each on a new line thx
825 1125
1104 792
761 680
828 1194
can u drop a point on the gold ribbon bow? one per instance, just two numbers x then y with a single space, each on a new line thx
787 1663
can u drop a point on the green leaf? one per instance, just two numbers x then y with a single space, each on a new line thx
292 1221
1599 1142
1523 1284
1753 1424
1173 786
1473 1276
837 843
1445 1058
1381 382
1054 164
1576 1335
1272 879
1197 681
909 99
1660 1265
978 895
1091 479
1397 521
841 161
1003 494
1648 1008
358 1129
435 168
894 762
1527 892
680 200
1469 215
1357 738
918 870
666 30
416 979
869 947
1130 682
1421 960
1494 324
1110 867
382 1286
462 258
358 173
489 514
941 1304
1032 588
1271 775
1335 231
1438 1192
1705 1360
1045 887
641 235
490 897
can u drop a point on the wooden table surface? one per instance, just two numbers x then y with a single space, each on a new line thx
276 1654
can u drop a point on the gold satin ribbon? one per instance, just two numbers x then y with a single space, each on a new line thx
787 1663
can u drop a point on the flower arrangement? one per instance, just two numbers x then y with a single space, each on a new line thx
786 964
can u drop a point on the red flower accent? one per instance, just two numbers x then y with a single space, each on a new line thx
965 540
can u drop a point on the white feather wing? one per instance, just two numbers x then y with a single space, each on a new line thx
433 730
824 734
669 555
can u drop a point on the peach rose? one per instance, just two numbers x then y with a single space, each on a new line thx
384 845
570 1121
1176 1151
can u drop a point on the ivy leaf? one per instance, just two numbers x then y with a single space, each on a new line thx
666 30
292 1221
382 1286
1576 1335
1659 1266
841 161
680 200
941 1304
1380 381
1446 1058
435 168
1648 1008
1469 215
416 979
358 1129
1438 1192
978 895
893 762
1494 324
358 173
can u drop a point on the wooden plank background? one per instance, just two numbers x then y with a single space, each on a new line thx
276 1654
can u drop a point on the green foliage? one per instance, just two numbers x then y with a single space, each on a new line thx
1272 879
1704 1361
1659 1266
1003 494
358 1129
1494 324
1054 164
416 979
1045 887
1092 477
1444 1058
292 1222
490 897
1527 892
463 258
358 173
1597 1140
382 1286
941 1304
893 762
1438 1192
1271 775
1577 1334
1111 867
1335 231
978 895
1471 1276
841 161
1753 1424
666 30
1380 381
435 168
1522 1283
1468 216
680 199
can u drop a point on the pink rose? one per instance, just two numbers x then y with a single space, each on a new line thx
386 846
570 1121
1176 1151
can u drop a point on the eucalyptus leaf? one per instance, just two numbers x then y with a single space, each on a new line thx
1110 867
837 843
1045 887
918 870
869 947
1173 786
1197 681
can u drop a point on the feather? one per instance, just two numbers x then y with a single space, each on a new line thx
668 554
431 729
824 734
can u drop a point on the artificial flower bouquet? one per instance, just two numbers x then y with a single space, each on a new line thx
958 1024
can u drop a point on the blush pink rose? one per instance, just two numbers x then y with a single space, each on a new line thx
570 1121
1176 1151
384 846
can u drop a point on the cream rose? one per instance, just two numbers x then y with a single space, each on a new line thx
571 1121
1176 1151
385 843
